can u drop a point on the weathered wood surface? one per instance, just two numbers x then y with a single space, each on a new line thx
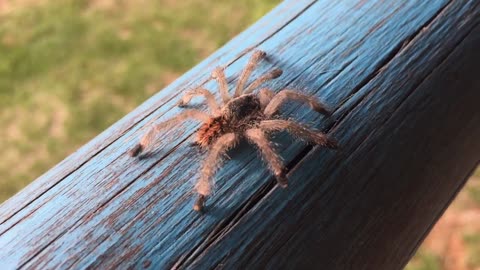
403 78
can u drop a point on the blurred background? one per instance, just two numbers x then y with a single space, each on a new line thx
69 69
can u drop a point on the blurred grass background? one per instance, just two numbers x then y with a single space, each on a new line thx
69 69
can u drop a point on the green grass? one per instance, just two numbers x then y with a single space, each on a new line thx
477 172
473 187
424 260
69 69
472 241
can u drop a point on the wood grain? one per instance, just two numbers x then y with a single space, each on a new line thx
402 77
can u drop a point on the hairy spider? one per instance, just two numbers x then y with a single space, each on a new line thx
245 115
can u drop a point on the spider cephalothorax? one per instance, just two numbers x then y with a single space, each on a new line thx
245 115
237 115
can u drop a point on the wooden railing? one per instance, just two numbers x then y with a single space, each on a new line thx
402 79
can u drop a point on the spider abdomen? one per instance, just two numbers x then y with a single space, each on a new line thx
210 130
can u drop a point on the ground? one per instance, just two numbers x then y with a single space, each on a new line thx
69 69
454 242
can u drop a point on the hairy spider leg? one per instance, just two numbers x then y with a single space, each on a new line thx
210 166
209 98
256 57
265 95
272 74
298 131
257 136
148 138
219 75
286 94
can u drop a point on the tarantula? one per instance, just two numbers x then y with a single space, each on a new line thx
245 115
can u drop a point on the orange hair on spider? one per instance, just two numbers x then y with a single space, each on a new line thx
209 131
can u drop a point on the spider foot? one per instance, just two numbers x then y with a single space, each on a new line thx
322 110
136 150
282 180
199 203
258 54
331 143
181 104
217 73
194 144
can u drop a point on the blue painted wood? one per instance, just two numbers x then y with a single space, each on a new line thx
401 78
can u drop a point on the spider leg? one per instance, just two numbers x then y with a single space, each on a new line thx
212 103
257 136
286 94
252 63
148 138
299 131
219 75
264 78
265 95
210 166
